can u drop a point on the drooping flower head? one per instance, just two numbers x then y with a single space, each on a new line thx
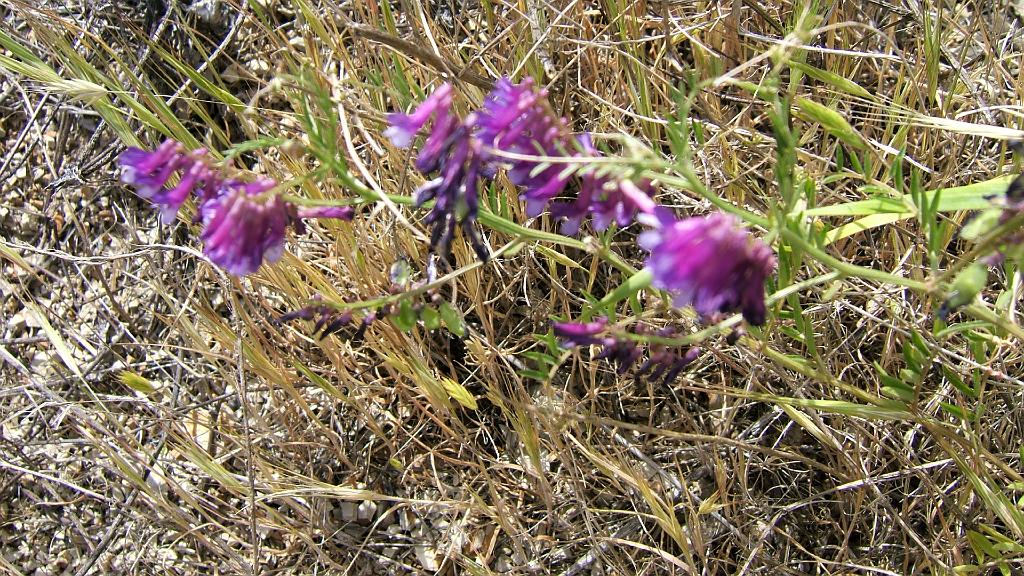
403 128
245 223
517 118
663 362
607 198
452 151
149 172
708 263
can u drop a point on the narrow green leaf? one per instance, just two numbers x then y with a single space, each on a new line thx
452 319
431 318
405 320
831 120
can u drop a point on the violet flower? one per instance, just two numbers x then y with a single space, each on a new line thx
575 334
404 127
451 150
708 263
517 118
245 223
607 198
664 362
149 172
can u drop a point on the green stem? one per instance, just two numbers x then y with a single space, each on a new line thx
490 220
392 298
690 181
632 285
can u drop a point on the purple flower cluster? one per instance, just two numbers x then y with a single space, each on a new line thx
243 223
708 263
517 129
663 362
330 321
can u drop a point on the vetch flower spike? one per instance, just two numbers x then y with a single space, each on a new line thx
246 225
149 172
708 263
664 362
243 223
451 150
517 118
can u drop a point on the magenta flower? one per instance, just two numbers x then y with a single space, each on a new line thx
517 118
149 172
664 362
245 223
609 199
708 263
404 127
451 150
575 334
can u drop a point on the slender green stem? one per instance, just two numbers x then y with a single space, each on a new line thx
632 285
392 298
982 313
492 221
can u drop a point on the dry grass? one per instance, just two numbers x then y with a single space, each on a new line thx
261 449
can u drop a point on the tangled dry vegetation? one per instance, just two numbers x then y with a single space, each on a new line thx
257 448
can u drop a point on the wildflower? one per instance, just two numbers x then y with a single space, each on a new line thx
518 118
664 362
328 320
709 263
404 127
575 334
245 223
608 199
451 150
149 172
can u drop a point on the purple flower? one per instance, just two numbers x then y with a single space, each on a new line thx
664 362
339 212
609 199
404 127
575 334
453 152
244 224
709 263
149 172
517 118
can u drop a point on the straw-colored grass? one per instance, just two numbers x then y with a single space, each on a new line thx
157 420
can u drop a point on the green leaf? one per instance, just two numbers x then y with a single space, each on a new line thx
431 319
831 120
836 81
956 411
975 196
981 224
452 319
405 320
558 257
